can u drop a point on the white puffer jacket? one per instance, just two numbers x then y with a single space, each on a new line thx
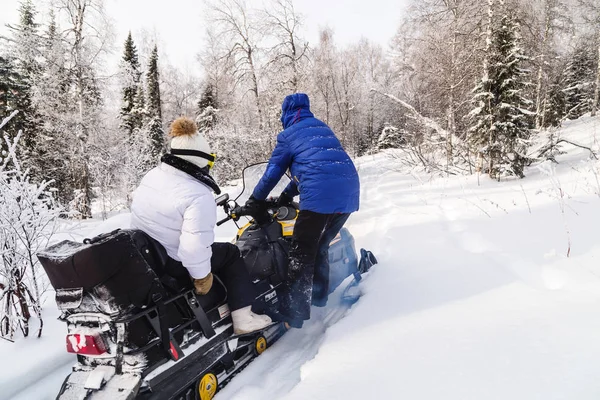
180 213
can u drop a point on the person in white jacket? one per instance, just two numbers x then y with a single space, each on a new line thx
174 205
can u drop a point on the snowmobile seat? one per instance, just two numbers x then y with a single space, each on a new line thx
172 274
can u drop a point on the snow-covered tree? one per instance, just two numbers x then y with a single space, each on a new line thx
501 121
336 81
9 86
218 68
53 102
240 28
391 138
207 109
84 34
579 81
179 91
139 111
24 53
28 218
550 17
130 74
590 10
439 47
154 125
288 56
554 103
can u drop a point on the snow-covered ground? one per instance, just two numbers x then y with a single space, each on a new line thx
474 296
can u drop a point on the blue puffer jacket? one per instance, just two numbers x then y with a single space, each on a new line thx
323 174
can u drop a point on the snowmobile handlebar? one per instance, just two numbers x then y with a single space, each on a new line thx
221 222
235 211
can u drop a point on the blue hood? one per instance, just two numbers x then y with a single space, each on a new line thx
295 107
323 173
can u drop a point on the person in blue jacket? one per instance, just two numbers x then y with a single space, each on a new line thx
325 178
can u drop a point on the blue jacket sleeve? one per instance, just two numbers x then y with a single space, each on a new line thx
278 164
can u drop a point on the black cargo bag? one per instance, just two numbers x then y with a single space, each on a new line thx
110 267
265 251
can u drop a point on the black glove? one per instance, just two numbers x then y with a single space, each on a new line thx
257 209
254 206
284 200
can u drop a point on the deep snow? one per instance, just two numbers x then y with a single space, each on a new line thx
474 296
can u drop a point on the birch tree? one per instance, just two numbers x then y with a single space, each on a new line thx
86 34
289 54
238 24
444 54
549 18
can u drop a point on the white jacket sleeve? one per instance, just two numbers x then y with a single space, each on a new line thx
197 235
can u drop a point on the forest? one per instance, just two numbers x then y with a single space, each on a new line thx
464 86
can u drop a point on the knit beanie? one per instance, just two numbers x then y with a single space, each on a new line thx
185 136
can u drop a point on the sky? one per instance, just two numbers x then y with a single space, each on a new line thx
180 24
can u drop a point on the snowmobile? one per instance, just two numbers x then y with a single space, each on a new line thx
138 329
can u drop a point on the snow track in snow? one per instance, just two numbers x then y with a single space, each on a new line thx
275 372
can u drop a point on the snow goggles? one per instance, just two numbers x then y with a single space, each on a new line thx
196 153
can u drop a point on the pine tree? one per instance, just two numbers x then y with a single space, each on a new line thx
139 156
139 112
9 79
154 127
25 50
52 103
501 121
391 138
555 104
131 86
579 82
9 89
207 109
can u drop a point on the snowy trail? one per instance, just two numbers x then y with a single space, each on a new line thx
278 369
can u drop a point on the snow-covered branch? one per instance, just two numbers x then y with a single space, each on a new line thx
425 121
28 218
7 119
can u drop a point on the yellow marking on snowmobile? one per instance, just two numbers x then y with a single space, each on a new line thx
260 345
287 227
242 229
207 387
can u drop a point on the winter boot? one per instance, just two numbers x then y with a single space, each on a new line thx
245 321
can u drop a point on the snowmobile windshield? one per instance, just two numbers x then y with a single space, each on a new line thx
250 177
